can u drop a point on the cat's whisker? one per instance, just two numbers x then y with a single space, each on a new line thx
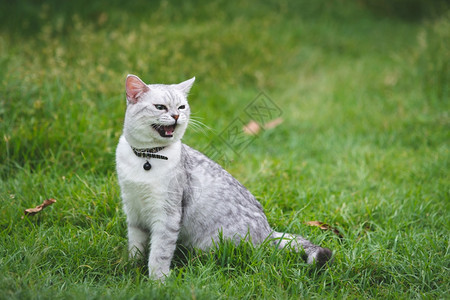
199 126
197 123
198 129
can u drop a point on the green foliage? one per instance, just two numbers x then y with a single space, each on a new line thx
434 58
412 10
363 146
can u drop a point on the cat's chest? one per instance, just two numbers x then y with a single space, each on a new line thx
139 181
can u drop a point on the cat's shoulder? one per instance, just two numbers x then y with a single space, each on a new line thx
123 148
187 152
191 157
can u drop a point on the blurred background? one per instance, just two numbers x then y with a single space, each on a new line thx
63 65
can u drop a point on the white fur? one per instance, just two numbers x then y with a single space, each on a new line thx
145 192
144 195
140 186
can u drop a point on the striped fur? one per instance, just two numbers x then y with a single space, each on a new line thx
187 198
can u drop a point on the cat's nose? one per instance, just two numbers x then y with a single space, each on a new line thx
175 117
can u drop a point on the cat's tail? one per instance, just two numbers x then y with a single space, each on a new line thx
315 254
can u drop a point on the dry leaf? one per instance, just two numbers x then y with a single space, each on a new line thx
274 123
35 210
324 226
252 128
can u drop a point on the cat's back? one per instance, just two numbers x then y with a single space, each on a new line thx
212 176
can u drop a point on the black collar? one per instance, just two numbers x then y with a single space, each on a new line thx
149 152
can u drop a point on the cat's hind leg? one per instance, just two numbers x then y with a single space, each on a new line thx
315 254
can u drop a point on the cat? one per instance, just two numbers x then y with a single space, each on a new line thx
174 194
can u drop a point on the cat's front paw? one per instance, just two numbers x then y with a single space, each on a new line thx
158 274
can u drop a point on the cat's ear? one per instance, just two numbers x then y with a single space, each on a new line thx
185 86
135 87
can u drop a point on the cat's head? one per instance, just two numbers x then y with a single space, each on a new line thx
157 114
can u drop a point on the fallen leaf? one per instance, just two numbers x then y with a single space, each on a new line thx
274 123
35 210
324 226
252 128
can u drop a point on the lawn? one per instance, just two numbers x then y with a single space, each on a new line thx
362 88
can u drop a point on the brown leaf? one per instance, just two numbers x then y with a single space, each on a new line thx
35 210
324 226
252 128
274 123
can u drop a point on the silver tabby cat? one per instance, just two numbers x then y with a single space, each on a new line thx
172 193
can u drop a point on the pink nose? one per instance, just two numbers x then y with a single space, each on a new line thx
175 117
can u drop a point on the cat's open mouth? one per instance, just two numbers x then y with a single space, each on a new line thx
165 131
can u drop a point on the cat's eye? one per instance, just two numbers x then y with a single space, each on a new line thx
182 107
160 107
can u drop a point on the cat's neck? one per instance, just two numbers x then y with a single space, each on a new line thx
149 145
153 145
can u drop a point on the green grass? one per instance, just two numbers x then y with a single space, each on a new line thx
364 145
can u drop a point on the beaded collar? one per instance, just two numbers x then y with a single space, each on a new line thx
149 153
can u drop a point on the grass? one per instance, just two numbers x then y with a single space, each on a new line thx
364 145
